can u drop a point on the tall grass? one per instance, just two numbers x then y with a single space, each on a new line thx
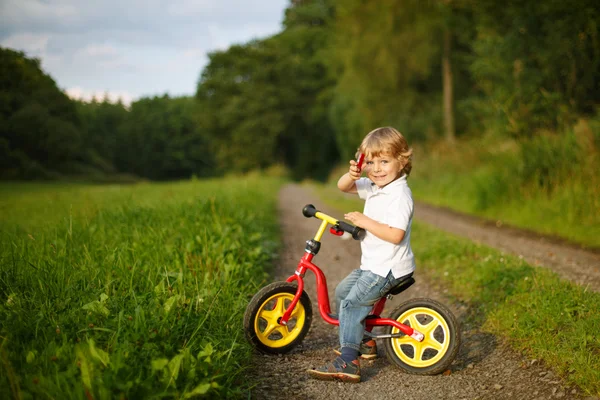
548 183
130 291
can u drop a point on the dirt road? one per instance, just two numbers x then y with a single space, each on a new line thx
484 368
569 261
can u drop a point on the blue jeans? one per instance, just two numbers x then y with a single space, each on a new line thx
354 299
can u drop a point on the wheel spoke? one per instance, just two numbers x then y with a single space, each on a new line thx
412 319
279 306
272 319
272 316
429 328
419 350
269 332
423 328
269 315
296 311
269 329
433 343
436 329
429 338
283 330
404 340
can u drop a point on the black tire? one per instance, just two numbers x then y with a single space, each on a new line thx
436 352
261 316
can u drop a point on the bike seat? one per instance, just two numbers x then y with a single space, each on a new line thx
402 285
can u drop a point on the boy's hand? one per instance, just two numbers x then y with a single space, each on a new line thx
357 218
354 172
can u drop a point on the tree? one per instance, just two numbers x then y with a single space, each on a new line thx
386 56
538 64
239 106
448 83
160 139
39 124
308 142
267 101
103 131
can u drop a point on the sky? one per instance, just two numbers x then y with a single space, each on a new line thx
132 48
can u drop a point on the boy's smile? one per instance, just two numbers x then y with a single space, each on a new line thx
383 169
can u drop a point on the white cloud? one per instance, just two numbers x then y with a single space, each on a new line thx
187 7
225 9
222 37
18 11
132 47
98 58
194 53
103 50
35 44
79 93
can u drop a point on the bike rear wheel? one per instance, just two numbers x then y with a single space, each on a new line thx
442 337
261 319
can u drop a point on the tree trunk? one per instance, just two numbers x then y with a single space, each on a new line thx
448 87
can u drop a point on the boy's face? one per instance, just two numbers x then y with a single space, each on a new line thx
382 169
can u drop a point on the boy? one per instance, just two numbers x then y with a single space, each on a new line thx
386 253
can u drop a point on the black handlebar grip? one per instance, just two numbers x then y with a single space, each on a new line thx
357 233
309 211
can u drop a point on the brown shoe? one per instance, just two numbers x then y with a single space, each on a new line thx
339 370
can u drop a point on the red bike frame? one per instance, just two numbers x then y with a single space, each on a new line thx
323 300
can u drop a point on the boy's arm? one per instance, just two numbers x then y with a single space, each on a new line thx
347 183
382 231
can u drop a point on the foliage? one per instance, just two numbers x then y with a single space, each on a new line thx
39 125
131 292
264 102
524 73
307 143
387 63
168 142
44 134
538 64
548 183
103 131
240 106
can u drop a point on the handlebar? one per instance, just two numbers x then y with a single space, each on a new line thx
357 233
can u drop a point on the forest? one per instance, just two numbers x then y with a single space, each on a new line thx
118 290
439 71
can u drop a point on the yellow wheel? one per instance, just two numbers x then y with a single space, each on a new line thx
264 312
442 337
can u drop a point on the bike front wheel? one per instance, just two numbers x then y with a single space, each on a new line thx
442 337
263 313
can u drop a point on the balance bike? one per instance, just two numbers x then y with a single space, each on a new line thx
421 336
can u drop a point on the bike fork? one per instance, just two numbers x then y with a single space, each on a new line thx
286 315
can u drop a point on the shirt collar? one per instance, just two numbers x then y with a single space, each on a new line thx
390 187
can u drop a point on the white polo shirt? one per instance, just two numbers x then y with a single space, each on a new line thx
394 206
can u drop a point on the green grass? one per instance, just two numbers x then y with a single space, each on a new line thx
538 313
549 184
535 311
131 291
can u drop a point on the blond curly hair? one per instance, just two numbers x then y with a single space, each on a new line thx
387 141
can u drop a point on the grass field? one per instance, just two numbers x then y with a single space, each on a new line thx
535 311
137 291
130 291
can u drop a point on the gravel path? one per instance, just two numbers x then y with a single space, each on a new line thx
569 261
484 368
